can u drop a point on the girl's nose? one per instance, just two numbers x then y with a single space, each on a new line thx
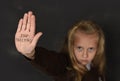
85 55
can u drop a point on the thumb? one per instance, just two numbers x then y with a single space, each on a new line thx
36 38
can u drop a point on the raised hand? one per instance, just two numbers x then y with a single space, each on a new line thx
25 37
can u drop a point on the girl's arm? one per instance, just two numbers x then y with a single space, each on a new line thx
25 41
51 62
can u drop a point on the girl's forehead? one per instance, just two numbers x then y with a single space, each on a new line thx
83 37
86 35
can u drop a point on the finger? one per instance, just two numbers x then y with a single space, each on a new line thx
19 25
36 38
29 21
24 21
32 27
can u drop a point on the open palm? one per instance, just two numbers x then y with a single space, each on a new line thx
25 37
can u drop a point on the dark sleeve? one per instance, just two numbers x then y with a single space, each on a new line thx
50 62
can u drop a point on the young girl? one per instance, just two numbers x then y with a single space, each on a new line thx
81 59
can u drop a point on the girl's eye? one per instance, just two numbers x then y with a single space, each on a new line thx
91 49
80 48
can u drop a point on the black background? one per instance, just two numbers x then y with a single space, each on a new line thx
54 17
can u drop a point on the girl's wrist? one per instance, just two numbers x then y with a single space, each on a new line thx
31 55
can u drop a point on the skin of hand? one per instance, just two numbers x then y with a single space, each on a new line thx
25 37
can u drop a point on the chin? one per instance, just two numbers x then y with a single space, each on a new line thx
84 64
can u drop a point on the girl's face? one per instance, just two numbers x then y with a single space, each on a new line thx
85 47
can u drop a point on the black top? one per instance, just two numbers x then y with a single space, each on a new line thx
56 65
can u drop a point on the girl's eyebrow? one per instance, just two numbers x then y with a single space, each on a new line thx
79 46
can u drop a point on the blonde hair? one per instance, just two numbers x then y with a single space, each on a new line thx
87 27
